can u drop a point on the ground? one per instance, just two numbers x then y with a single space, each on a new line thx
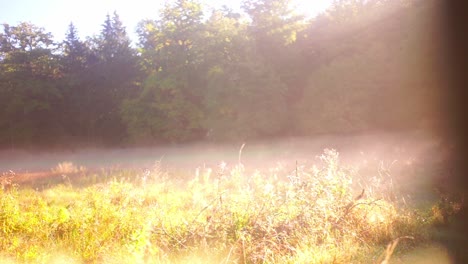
390 176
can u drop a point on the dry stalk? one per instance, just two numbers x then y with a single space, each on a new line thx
390 249
240 154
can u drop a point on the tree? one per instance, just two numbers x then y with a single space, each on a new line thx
114 43
29 88
74 51
370 67
110 77
263 73
275 28
273 21
172 89
243 97
76 58
24 37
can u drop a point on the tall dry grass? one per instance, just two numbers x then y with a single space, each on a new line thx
219 215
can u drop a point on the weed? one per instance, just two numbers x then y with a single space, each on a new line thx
221 215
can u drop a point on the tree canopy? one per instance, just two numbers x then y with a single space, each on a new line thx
264 72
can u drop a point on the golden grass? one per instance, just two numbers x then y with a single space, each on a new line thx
220 215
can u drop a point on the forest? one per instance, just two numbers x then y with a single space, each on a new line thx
221 75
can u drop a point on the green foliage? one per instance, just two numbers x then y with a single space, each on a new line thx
365 55
192 76
29 86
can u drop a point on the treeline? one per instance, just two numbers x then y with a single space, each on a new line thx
222 75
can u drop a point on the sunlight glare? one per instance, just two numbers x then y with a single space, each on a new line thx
311 8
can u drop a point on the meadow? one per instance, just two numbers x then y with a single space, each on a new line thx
254 204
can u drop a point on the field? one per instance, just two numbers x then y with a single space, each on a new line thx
346 199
